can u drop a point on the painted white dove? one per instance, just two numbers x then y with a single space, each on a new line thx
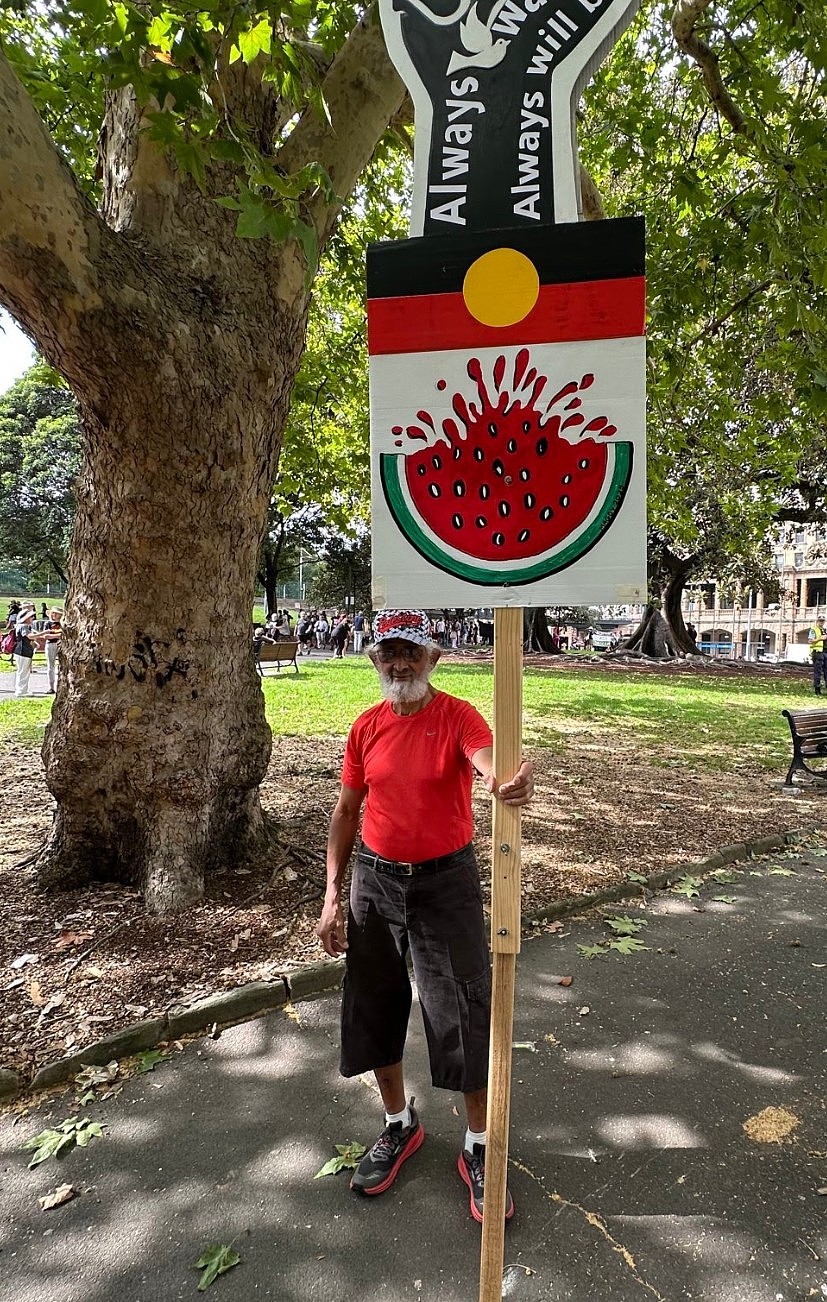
485 52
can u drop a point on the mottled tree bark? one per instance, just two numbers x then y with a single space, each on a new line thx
181 344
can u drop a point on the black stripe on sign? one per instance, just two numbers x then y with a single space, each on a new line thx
563 254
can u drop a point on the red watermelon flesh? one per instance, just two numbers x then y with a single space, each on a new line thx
509 485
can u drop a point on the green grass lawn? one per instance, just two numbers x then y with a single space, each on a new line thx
700 721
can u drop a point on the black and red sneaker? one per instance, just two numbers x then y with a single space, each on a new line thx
471 1167
380 1166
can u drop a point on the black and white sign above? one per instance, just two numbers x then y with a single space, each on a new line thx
495 84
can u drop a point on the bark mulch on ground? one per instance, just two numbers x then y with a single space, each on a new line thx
76 967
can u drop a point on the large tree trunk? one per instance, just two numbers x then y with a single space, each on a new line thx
652 637
536 633
672 594
158 740
181 343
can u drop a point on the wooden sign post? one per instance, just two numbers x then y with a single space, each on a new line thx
505 939
507 387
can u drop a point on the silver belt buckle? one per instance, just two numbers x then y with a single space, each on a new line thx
408 869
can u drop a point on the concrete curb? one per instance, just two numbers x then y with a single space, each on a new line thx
257 997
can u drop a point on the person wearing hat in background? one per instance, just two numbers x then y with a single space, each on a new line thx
415 886
24 648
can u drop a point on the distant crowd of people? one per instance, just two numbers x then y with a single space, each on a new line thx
24 634
316 630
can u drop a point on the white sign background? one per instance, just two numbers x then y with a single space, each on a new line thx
614 570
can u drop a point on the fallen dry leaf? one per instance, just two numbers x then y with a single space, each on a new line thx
24 960
64 1193
68 938
36 994
565 981
771 1126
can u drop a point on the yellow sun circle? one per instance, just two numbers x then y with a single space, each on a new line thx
501 287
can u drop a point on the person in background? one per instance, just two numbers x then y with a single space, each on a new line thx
322 631
358 631
53 632
340 635
8 629
816 641
24 649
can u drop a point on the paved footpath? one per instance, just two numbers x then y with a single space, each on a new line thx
632 1173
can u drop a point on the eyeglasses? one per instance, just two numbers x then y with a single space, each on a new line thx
407 651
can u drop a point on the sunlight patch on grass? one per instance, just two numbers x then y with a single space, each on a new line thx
23 723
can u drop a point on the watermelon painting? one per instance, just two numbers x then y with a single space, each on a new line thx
516 484
507 390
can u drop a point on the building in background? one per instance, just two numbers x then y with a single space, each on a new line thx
751 629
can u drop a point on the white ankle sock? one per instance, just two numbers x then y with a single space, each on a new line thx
473 1137
404 1116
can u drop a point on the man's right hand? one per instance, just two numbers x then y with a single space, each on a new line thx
331 929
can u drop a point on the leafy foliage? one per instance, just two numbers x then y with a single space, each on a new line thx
737 264
591 951
56 1142
215 1260
151 1059
347 1159
40 448
626 926
627 945
688 886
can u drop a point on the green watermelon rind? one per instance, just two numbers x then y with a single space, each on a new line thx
391 470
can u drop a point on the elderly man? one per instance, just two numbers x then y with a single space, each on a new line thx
416 887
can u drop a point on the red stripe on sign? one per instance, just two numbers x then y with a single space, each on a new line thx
588 309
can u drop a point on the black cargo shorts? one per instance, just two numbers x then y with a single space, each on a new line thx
435 911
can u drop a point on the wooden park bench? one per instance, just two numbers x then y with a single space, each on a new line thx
277 653
809 733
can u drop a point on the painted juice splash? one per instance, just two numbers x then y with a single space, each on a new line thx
512 474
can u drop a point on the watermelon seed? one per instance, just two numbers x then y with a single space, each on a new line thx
436 462
566 479
459 488
420 470
529 501
584 464
435 490
564 501
492 430
512 445
546 513
542 447
479 455
498 539
485 492
504 509
523 535
498 467
456 521
526 426
481 522
525 475
457 453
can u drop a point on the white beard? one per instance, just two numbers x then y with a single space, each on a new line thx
404 691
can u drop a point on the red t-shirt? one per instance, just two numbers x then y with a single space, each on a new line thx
418 774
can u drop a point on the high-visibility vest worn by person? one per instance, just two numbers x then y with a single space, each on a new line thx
816 637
